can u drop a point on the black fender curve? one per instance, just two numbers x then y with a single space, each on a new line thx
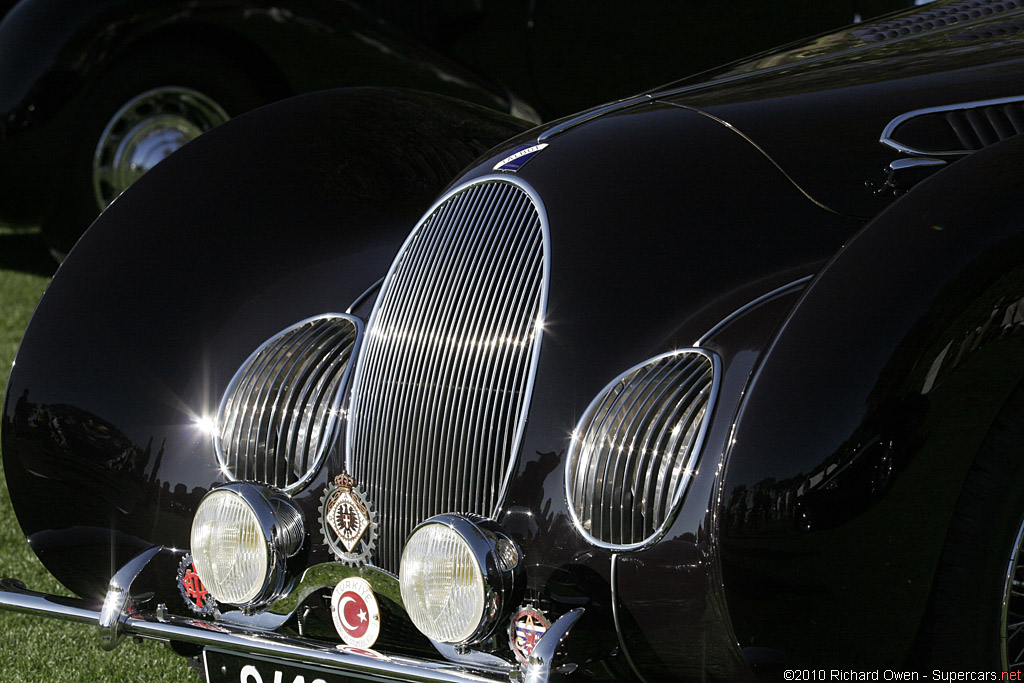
864 417
292 210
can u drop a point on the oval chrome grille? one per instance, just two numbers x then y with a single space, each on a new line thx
636 447
443 380
280 411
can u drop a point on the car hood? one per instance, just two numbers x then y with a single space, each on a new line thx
865 76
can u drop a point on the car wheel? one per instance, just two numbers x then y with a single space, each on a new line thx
976 614
145 130
137 112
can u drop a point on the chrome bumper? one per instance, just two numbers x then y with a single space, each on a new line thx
117 618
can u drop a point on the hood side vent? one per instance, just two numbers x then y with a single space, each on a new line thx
957 129
1007 28
939 17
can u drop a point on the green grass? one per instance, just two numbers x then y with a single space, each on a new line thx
33 648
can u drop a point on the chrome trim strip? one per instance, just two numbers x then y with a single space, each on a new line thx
244 641
886 137
592 114
372 290
689 464
785 174
746 308
614 581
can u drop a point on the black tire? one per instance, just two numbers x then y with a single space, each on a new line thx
966 622
165 71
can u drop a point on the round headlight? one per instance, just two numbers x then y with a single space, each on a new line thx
241 536
458 577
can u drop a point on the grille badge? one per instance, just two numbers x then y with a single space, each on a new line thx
518 158
347 521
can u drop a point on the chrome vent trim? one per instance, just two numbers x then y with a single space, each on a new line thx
636 447
957 129
443 380
282 408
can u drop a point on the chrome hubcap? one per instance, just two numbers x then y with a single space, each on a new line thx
1012 628
145 131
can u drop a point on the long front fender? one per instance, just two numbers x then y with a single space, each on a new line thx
860 425
290 211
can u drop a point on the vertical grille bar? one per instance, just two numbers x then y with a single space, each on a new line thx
442 382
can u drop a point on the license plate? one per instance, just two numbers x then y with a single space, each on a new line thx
225 667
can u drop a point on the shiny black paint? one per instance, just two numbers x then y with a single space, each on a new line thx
566 55
664 221
634 278
853 82
179 283
924 364
55 53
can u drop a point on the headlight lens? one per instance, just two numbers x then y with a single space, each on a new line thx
241 535
457 578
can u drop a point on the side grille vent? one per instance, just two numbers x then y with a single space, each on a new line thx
280 411
443 380
983 126
956 129
938 17
636 447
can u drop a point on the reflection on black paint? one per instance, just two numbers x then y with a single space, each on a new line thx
109 503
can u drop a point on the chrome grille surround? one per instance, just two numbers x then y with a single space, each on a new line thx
636 448
444 377
282 409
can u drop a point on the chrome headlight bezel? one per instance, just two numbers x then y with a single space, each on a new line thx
498 562
281 531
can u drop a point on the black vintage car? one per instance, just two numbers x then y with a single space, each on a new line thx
98 91
719 382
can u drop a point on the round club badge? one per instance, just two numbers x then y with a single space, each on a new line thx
347 522
192 590
355 612
525 631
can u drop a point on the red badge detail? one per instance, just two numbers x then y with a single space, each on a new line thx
192 590
355 612
528 626
194 587
355 618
